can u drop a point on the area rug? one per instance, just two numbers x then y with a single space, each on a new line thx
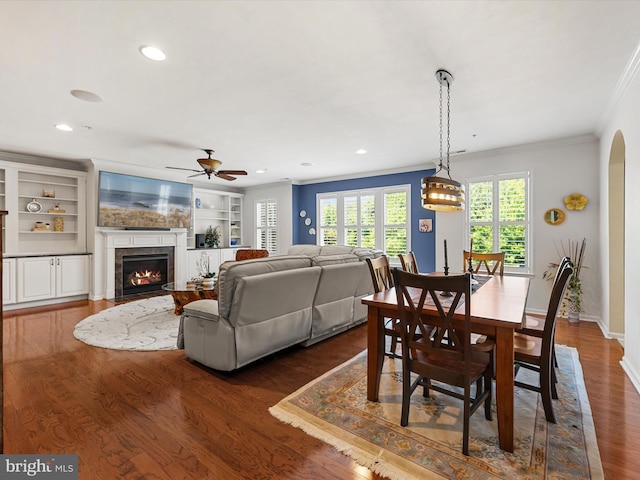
148 324
335 409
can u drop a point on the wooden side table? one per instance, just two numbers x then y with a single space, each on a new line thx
183 294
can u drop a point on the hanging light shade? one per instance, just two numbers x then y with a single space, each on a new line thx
438 192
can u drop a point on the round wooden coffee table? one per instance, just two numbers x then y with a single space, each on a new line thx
183 294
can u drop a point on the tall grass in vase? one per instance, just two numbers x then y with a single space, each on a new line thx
572 302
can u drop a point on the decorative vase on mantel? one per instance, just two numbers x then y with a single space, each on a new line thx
573 314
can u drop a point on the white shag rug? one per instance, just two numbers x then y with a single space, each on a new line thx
148 324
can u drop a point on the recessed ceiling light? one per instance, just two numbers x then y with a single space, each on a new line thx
64 127
307 164
362 151
152 53
86 96
262 170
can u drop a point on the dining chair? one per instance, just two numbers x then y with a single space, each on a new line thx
479 260
383 280
536 353
408 262
248 254
450 362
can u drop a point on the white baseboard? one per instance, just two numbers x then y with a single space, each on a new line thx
631 373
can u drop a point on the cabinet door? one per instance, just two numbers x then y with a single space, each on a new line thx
72 275
36 278
227 254
8 281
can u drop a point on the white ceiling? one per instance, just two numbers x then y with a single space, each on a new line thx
273 84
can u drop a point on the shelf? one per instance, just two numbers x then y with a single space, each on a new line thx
23 232
42 182
47 199
52 214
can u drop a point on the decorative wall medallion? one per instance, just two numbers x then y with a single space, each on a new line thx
554 216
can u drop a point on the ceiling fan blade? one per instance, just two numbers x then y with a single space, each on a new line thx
233 172
197 174
180 168
224 176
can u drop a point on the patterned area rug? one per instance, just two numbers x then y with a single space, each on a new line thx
148 324
334 408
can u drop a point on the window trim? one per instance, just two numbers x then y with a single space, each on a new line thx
267 228
528 241
379 229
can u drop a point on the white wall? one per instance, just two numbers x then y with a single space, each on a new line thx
557 170
627 120
281 193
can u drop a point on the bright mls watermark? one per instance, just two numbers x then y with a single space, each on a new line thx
50 467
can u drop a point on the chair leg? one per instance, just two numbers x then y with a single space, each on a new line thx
546 382
554 380
406 396
467 414
488 386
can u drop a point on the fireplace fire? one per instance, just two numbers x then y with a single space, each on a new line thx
143 270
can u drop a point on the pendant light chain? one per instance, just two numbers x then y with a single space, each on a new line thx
448 124
440 166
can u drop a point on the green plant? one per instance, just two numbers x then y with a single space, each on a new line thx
212 237
575 251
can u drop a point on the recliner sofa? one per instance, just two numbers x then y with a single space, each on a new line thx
268 304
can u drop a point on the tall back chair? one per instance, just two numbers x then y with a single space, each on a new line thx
480 260
383 280
447 357
408 261
536 353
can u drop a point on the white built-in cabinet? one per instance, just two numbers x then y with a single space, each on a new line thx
43 278
217 209
45 231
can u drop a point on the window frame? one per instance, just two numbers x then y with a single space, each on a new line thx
267 228
380 217
495 223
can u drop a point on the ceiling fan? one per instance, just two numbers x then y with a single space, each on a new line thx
210 167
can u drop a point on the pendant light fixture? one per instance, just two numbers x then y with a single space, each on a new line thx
440 193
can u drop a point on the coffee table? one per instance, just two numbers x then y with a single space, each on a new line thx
184 293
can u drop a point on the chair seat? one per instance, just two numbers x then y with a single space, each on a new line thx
532 326
451 361
527 348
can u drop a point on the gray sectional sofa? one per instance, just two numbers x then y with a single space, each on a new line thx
265 305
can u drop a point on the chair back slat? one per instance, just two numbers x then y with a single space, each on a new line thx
493 263
408 262
380 273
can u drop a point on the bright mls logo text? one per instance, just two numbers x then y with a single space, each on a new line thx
59 467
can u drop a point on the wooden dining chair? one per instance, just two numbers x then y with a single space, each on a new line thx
490 262
536 353
408 262
450 361
383 280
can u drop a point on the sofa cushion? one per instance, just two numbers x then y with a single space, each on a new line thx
335 249
322 260
364 253
207 309
304 249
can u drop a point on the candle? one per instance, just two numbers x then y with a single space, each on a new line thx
446 259
471 248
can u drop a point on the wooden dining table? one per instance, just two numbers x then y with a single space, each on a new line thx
497 309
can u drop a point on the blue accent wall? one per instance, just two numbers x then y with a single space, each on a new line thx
422 244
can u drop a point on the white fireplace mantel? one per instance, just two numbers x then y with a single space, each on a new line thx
139 239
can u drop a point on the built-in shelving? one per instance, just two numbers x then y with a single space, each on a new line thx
217 209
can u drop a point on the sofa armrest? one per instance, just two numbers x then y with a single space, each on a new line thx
205 309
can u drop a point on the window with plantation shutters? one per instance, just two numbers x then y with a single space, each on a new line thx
372 218
267 225
498 218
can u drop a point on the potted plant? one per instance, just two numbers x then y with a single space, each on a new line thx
203 266
572 303
212 237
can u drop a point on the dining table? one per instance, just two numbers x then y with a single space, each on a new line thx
497 310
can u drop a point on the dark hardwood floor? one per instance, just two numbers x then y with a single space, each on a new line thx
156 415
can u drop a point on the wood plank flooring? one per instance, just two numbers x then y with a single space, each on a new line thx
156 415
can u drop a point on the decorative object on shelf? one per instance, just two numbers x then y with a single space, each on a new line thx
58 224
439 193
303 213
572 303
307 221
56 209
41 227
554 216
33 206
575 201
233 242
198 203
49 193
212 237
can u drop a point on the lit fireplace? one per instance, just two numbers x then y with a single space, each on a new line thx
142 270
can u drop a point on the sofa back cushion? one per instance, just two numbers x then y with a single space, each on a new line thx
304 249
232 272
322 260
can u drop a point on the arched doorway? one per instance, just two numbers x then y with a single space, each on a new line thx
616 234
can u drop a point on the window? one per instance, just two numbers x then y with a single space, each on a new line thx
373 218
498 218
267 225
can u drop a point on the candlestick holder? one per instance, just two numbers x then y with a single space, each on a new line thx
470 270
446 294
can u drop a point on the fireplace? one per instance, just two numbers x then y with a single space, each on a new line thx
142 270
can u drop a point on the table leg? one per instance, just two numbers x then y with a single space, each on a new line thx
504 386
375 352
